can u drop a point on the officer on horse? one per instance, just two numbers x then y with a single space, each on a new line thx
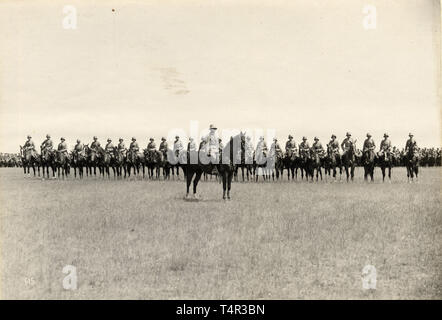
385 147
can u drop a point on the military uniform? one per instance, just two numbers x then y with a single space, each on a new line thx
121 146
177 147
47 144
275 149
95 144
163 146
304 146
346 143
151 146
79 147
368 144
411 144
212 143
109 147
317 147
134 146
290 145
261 148
29 144
385 145
62 147
334 145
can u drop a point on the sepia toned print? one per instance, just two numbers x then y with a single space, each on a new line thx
220 150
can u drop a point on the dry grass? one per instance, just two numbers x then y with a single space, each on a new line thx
140 240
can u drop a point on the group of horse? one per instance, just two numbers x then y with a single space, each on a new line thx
89 160
233 157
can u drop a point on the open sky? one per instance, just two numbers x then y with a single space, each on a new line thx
150 67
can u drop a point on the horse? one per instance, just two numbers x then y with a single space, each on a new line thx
78 162
316 163
119 162
197 163
289 161
305 163
260 165
62 164
349 160
275 163
154 159
48 161
244 160
412 163
385 160
133 160
29 160
106 161
332 161
368 160
92 160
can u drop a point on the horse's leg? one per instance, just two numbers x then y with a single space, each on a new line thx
195 181
188 182
229 183
224 177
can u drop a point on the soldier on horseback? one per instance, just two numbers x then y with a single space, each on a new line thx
318 148
79 147
346 143
411 144
290 145
177 146
134 146
304 146
121 147
261 147
95 144
62 146
334 145
47 145
369 144
385 148
212 145
109 148
163 146
29 145
151 145
275 149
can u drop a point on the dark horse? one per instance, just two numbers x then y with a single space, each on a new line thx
332 161
154 160
92 160
62 163
78 162
29 160
244 160
385 160
349 160
368 160
290 163
107 161
316 163
48 161
133 160
412 163
305 163
120 162
197 163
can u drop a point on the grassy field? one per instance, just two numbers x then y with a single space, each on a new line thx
297 240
